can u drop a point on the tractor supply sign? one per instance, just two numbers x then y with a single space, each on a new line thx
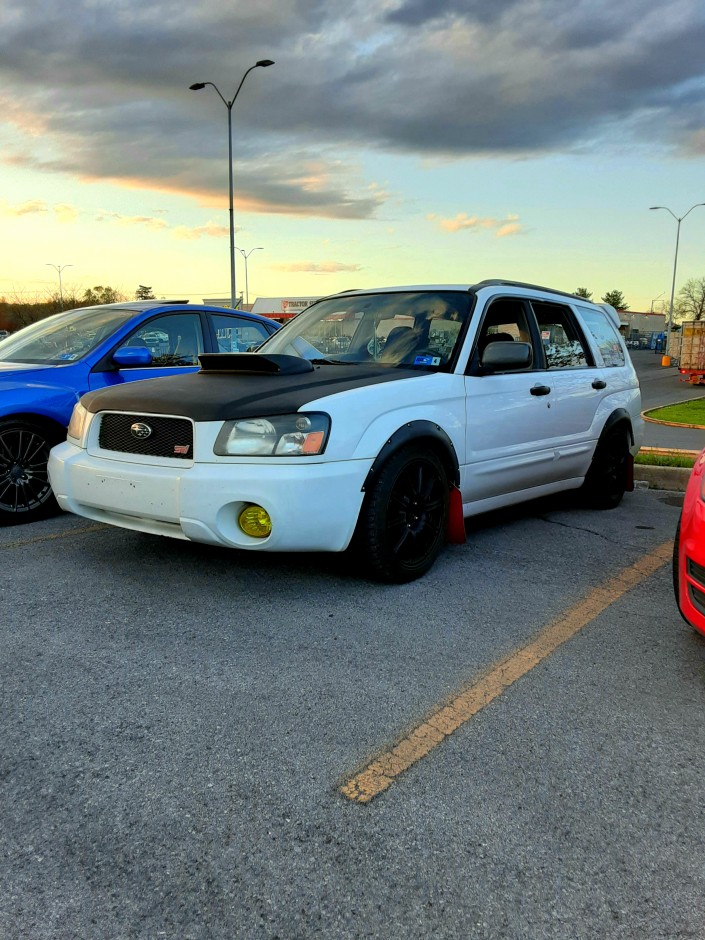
282 308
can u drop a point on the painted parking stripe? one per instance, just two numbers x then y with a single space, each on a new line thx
384 769
19 543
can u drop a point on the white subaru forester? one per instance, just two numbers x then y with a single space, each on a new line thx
376 419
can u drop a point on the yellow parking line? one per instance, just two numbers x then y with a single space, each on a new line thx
47 538
383 770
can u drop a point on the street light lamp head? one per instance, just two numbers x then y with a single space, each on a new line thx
264 63
656 207
197 86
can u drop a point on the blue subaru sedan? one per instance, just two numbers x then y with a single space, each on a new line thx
46 367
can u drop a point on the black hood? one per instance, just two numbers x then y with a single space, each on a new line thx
223 396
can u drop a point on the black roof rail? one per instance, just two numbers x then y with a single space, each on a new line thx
496 282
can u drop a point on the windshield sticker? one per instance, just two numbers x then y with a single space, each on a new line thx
68 356
427 361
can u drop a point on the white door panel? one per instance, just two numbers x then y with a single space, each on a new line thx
516 440
507 430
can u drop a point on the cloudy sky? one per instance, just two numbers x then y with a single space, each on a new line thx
393 142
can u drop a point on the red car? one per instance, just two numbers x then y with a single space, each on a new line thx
689 550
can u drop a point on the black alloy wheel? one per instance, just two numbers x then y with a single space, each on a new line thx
25 491
403 519
606 480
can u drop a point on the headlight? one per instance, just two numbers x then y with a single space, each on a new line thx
77 423
276 436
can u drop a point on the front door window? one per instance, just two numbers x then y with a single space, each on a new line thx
174 340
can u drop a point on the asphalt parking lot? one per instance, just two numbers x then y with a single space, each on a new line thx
183 728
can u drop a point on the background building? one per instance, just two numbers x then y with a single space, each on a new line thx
278 308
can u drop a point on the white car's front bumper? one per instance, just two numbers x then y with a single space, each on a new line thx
313 506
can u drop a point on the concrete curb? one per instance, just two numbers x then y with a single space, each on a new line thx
662 478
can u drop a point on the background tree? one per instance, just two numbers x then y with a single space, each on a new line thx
101 295
144 293
583 292
690 304
19 310
616 299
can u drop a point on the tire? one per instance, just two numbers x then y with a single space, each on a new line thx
403 520
606 480
25 492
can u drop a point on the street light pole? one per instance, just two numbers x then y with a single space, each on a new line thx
59 268
197 86
675 265
246 255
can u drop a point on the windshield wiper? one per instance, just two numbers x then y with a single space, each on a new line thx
332 362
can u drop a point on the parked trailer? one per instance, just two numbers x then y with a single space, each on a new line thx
692 351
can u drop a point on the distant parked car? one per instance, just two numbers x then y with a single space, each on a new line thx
46 367
689 550
442 403
4 333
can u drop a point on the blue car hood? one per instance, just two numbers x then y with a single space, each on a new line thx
24 370
24 377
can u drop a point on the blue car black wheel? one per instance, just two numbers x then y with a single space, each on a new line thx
25 491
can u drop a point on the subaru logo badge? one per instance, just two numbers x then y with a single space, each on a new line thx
141 431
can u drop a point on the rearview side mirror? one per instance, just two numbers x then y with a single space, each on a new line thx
506 357
132 356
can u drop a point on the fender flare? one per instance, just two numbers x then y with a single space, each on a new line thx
618 416
414 431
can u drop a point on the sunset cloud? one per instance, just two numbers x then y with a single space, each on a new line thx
146 221
464 222
318 267
446 78
510 228
31 207
65 213
209 230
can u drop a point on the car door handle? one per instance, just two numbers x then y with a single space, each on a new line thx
540 390
598 383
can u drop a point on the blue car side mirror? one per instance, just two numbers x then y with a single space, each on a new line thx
132 356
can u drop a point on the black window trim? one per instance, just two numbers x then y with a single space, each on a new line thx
575 320
539 365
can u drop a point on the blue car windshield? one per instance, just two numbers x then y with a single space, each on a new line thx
64 337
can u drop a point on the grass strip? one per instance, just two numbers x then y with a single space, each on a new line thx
664 460
683 412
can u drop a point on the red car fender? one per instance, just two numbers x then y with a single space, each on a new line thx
691 547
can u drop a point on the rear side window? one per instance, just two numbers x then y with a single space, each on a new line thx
236 334
605 336
563 345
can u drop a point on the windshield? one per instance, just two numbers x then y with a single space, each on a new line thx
409 328
63 337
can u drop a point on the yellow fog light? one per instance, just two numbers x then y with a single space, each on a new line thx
255 521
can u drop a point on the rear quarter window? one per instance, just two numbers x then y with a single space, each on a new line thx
605 335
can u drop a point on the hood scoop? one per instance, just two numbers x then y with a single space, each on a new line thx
253 364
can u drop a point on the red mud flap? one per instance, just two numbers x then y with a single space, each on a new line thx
455 531
630 474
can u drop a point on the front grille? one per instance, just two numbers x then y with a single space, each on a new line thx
696 571
169 437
